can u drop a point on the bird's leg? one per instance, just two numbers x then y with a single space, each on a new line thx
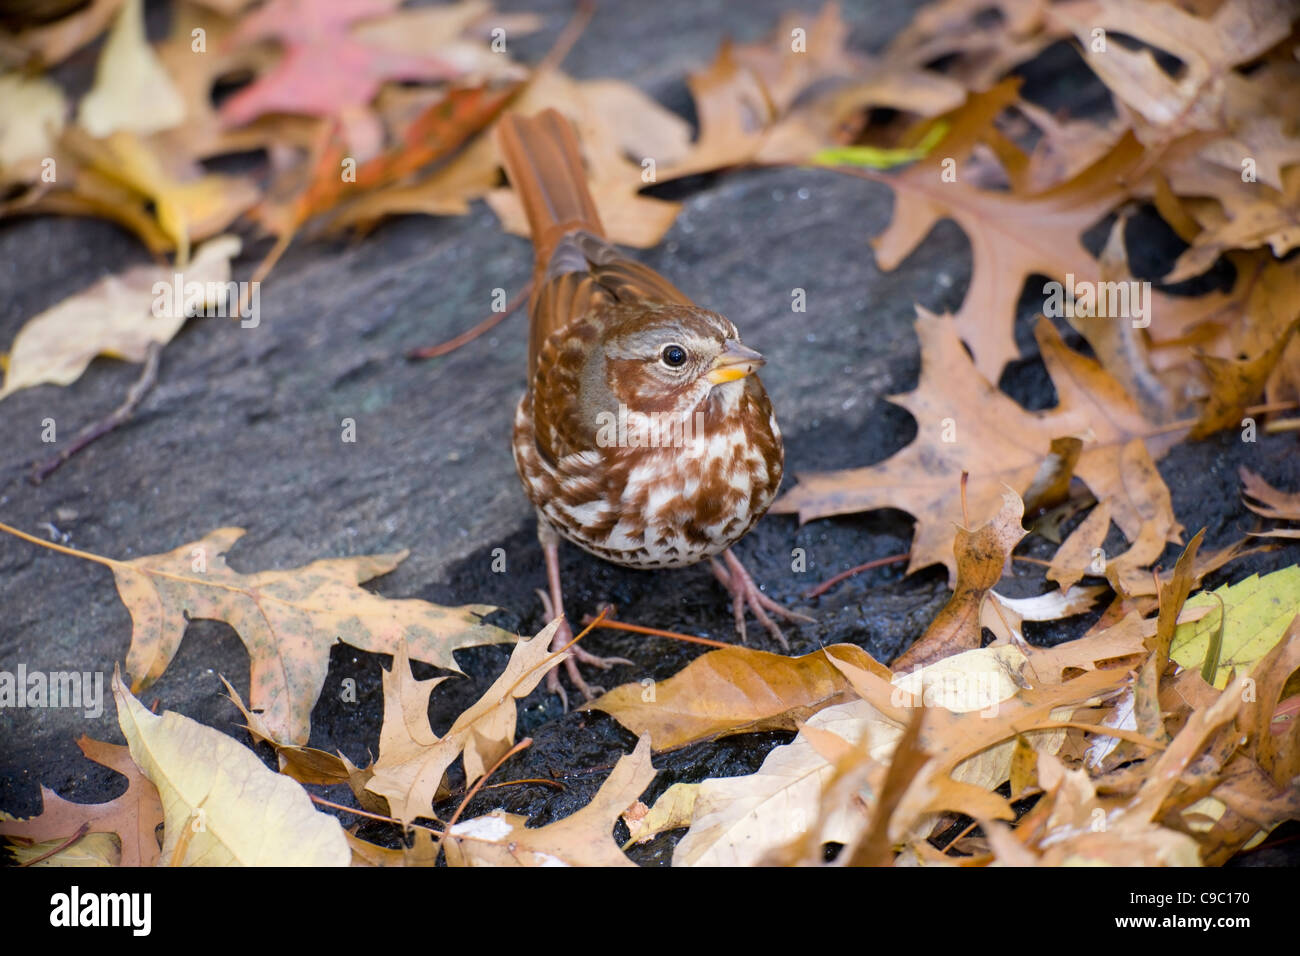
745 594
554 606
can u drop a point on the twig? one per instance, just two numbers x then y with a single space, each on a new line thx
491 322
653 631
965 515
478 784
359 812
567 38
843 575
119 416
81 832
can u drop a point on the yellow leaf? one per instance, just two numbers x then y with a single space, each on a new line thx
674 809
1258 612
221 805
117 317
132 91
31 116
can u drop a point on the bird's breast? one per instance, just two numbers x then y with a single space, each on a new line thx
688 493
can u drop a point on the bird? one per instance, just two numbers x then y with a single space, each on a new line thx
644 435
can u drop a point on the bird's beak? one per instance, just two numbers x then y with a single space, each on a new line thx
735 362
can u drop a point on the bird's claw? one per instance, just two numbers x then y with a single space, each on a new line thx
746 594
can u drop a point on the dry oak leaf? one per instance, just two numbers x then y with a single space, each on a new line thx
134 816
413 760
788 63
730 691
1080 554
1204 94
288 620
1264 217
584 838
1063 829
114 317
998 443
1272 502
981 555
833 86
1147 709
1236 383
308 764
737 821
50 43
1005 229
974 50
325 70
740 820
222 806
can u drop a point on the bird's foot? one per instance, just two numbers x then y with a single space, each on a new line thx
562 638
745 594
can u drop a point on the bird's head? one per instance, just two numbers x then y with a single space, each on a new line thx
670 359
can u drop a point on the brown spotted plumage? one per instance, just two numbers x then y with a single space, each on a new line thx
643 437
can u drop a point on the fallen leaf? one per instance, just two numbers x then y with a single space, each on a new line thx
998 443
1147 710
94 849
32 114
325 70
51 43
133 817
132 90
981 555
615 181
1003 227
728 691
1201 95
1258 610
973 50
1265 217
288 620
188 204
584 838
1079 553
413 760
1269 501
674 810
117 317
222 807
738 820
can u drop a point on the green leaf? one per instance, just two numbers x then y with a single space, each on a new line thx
1258 612
875 157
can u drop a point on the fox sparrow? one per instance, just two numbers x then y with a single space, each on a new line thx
644 436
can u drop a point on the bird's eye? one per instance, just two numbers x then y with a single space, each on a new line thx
674 356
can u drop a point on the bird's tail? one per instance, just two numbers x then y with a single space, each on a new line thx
544 164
